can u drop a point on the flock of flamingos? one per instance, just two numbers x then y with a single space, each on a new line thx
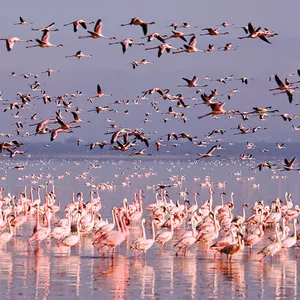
212 225
65 118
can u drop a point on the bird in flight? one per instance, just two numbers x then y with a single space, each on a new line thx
77 23
96 34
10 42
137 21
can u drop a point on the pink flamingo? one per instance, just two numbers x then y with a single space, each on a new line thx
77 23
272 248
291 240
44 42
144 244
5 237
70 240
96 34
187 241
42 232
165 236
10 42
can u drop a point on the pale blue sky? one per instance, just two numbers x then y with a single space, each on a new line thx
109 67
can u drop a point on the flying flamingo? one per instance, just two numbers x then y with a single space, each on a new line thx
96 34
99 94
217 109
10 42
211 31
44 42
191 47
137 21
190 82
79 54
127 43
22 22
255 33
162 48
47 28
77 23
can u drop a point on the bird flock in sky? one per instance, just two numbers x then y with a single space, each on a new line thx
65 118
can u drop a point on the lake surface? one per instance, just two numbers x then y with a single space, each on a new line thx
80 273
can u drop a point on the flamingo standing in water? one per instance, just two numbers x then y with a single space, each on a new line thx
165 236
71 240
5 237
187 240
144 244
42 232
233 248
272 248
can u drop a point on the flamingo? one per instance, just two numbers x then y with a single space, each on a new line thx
187 241
233 248
190 82
46 28
44 42
127 43
191 47
99 94
209 152
42 232
77 23
111 239
217 109
255 33
96 34
211 31
61 231
144 244
290 241
5 237
165 236
70 240
254 238
272 248
79 54
137 21
22 22
55 132
10 42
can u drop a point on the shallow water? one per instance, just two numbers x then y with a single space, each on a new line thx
80 273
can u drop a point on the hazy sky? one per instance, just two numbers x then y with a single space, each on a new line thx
112 70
